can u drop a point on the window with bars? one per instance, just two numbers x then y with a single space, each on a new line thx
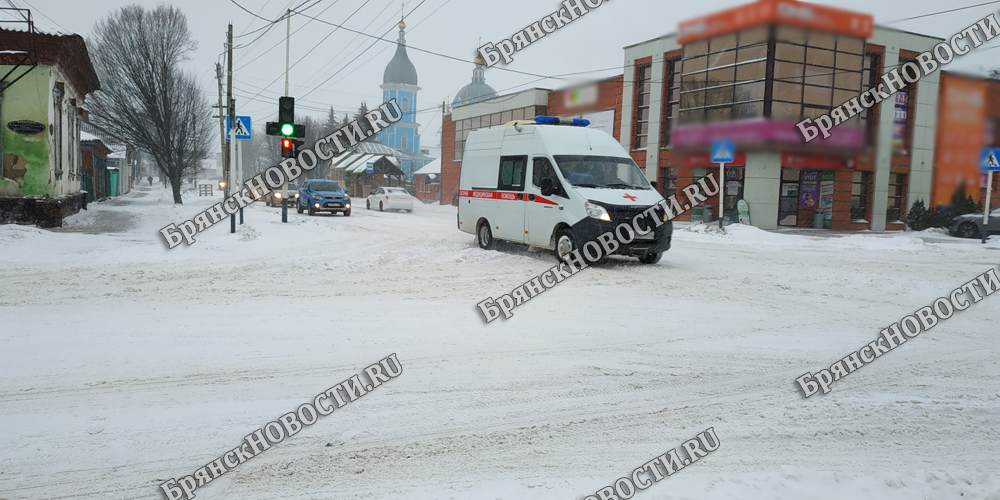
640 122
859 195
897 197
671 99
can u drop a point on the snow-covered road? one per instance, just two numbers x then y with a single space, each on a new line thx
124 364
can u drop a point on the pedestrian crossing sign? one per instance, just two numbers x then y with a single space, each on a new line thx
990 160
723 151
241 130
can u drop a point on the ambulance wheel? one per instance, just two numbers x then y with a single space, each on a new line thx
565 243
484 235
380 207
651 258
368 204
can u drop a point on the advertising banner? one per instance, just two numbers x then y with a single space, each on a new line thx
809 191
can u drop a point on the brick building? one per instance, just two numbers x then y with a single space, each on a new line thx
44 80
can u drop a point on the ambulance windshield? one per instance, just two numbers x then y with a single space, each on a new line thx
606 172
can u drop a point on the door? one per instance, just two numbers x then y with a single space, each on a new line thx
542 213
114 182
508 221
788 202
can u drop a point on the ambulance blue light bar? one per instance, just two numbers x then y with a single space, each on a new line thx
555 120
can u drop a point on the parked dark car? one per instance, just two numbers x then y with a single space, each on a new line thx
971 225
320 195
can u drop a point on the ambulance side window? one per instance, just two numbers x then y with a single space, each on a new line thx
512 173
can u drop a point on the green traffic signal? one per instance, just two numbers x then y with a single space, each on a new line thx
287 129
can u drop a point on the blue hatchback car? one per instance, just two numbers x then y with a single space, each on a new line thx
320 195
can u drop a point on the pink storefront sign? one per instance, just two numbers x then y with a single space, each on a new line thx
759 131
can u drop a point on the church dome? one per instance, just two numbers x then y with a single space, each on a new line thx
478 90
400 70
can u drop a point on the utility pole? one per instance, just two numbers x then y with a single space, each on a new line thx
222 127
231 112
288 36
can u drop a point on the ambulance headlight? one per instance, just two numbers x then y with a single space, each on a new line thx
598 212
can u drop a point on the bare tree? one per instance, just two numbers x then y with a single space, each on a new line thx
146 97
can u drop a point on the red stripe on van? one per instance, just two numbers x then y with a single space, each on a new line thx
502 195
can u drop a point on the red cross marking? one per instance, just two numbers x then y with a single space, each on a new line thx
630 197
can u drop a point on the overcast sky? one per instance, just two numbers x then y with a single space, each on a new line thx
451 27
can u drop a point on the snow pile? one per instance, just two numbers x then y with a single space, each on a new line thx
123 362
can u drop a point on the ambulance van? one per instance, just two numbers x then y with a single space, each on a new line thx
554 183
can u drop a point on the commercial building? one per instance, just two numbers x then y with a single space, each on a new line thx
751 73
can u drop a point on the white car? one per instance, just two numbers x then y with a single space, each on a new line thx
390 198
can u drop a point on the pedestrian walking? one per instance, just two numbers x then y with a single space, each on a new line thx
151 180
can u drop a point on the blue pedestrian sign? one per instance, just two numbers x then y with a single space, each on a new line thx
723 151
371 168
989 160
241 130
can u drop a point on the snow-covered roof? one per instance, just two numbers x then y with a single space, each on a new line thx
87 136
117 154
433 167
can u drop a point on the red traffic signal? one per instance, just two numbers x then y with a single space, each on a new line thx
287 150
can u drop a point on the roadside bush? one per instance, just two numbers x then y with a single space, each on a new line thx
915 217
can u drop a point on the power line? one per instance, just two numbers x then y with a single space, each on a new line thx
288 13
244 9
347 47
362 52
942 12
377 38
317 44
384 48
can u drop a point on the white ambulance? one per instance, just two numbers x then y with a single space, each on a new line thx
548 184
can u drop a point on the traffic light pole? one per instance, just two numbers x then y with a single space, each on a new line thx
288 35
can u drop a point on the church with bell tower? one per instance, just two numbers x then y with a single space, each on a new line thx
400 82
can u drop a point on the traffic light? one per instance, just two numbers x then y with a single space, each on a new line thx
286 113
287 148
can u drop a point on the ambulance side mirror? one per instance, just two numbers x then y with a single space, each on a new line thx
546 187
652 183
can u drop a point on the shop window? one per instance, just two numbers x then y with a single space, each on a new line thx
671 99
640 122
897 197
859 195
